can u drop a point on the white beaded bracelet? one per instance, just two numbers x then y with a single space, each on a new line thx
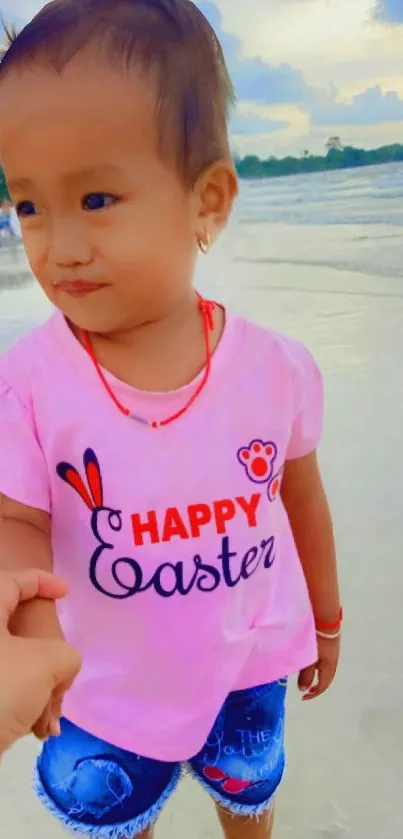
329 636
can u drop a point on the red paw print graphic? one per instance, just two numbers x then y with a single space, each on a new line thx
258 459
231 785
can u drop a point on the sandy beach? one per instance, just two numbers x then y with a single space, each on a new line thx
339 288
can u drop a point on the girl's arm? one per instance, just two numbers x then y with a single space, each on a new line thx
25 543
308 511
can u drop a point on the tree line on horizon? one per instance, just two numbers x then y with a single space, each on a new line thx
336 157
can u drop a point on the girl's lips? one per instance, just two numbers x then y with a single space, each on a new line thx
79 288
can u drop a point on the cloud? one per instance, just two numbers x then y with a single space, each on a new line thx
367 108
249 123
255 80
390 11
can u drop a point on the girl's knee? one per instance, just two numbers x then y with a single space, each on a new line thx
99 790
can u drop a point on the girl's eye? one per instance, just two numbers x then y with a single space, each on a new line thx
98 201
26 208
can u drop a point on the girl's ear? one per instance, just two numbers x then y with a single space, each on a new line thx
215 191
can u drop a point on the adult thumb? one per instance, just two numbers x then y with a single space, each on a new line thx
62 662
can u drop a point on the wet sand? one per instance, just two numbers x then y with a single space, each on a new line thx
345 751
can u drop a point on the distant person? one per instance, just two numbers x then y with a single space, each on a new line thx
5 227
9 222
160 448
30 671
15 227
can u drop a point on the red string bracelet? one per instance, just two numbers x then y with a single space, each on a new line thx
330 627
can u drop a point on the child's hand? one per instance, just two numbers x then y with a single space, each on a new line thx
325 670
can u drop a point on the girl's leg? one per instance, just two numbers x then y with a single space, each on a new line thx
112 790
242 763
241 827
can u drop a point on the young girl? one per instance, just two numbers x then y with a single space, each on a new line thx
157 452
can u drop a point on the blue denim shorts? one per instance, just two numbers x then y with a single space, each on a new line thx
99 790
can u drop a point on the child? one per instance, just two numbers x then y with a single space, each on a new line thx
157 452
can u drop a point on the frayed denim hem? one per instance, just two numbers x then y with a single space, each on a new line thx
232 807
125 830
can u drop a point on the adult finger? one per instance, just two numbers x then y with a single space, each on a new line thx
19 586
60 663
48 724
56 706
41 729
326 675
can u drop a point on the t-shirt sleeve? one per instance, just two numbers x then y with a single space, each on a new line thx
307 425
23 470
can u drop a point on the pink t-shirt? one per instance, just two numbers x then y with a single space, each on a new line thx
185 583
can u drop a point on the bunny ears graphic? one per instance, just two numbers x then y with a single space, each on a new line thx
95 497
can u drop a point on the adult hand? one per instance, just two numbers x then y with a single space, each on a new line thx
30 670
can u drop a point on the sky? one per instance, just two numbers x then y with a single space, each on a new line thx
304 70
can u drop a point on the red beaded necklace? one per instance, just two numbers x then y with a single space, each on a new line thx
207 308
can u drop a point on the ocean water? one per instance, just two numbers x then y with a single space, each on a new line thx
371 195
319 257
348 220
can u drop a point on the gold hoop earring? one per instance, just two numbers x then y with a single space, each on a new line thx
205 243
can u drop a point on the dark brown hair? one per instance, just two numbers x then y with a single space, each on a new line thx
170 38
